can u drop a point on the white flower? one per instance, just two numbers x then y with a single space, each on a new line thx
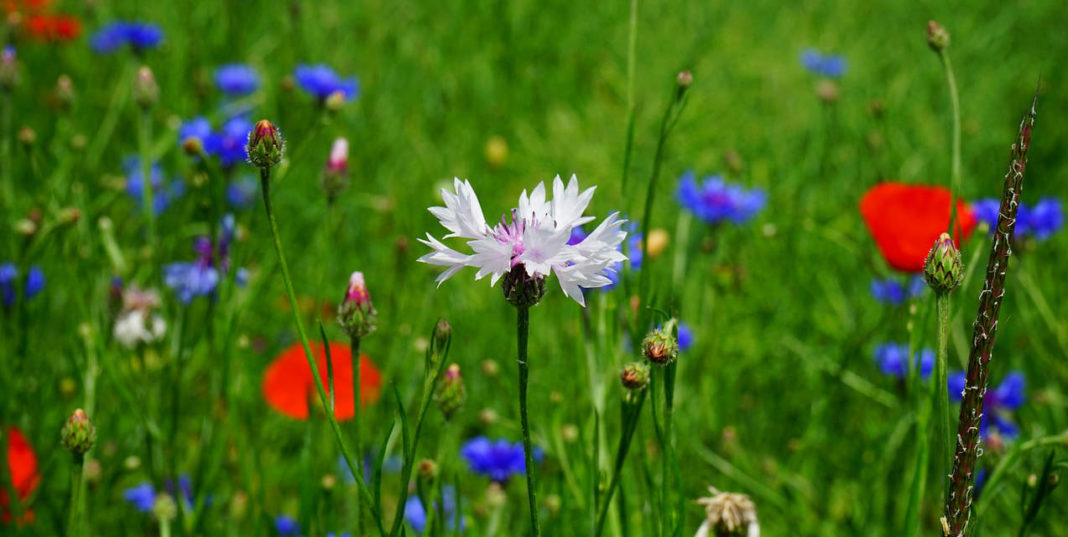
728 513
536 237
139 326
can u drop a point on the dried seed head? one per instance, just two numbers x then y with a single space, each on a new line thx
729 515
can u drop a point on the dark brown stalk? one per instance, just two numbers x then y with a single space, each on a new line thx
962 478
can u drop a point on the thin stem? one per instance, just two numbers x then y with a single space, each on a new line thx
632 45
75 497
164 528
5 154
357 404
632 411
954 101
265 188
522 330
148 204
941 393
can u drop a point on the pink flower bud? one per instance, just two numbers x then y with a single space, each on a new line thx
339 156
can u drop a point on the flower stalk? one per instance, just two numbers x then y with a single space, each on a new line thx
522 332
962 477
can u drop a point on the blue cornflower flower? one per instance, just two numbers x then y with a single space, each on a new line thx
286 526
321 81
237 79
893 292
228 143
198 127
715 200
346 534
892 360
828 65
142 496
686 336
35 282
8 273
1040 221
577 235
496 460
192 279
415 514
162 195
998 404
241 192
115 35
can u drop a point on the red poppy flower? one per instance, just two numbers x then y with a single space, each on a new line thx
288 384
906 219
54 27
22 465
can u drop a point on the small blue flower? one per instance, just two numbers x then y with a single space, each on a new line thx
986 210
715 200
237 79
35 282
241 276
286 526
198 127
115 35
228 143
321 81
828 65
162 195
1040 221
346 534
892 360
143 496
893 292
497 460
241 192
415 514
686 337
998 404
8 273
192 279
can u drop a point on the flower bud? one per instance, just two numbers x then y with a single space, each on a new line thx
335 176
146 91
335 101
193 146
9 69
427 469
442 336
450 394
658 242
828 91
265 145
68 216
943 268
78 435
496 151
490 368
164 508
64 92
27 137
660 347
356 314
937 36
682 83
635 376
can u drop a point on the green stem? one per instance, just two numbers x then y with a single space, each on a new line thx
522 331
632 45
147 196
632 411
357 402
954 101
943 446
75 497
164 528
265 188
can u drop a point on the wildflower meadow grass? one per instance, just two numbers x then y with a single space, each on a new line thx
521 269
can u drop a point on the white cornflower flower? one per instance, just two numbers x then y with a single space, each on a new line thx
536 238
138 326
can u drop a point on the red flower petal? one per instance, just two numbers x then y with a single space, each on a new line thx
288 384
22 463
906 219
53 27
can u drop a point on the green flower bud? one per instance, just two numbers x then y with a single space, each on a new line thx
265 145
164 508
635 376
442 335
78 434
428 469
146 91
660 347
356 314
450 394
943 269
937 36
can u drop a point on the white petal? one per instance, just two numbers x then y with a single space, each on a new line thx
443 256
462 214
568 205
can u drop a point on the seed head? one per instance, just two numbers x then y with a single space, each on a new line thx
729 514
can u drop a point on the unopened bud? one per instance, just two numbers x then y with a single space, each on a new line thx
27 137
490 368
64 92
660 347
335 101
682 83
356 314
658 242
827 91
635 376
193 146
487 416
943 270
68 216
265 145
164 508
428 469
146 91
553 503
329 482
569 432
78 435
335 176
25 227
450 394
442 336
937 36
